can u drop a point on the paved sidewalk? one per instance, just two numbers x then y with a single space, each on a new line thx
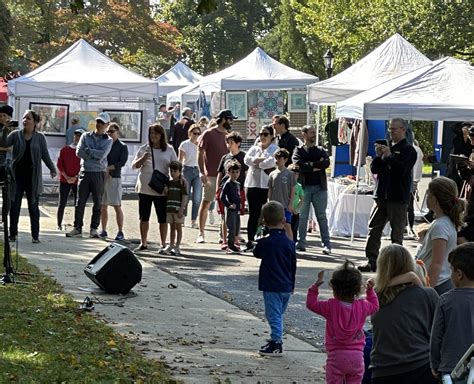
202 338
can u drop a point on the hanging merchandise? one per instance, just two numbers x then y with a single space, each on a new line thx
270 103
359 143
343 132
253 104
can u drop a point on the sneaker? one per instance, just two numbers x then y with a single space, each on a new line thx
369 267
141 247
74 233
223 246
93 234
327 250
300 248
212 219
103 234
165 250
231 248
273 349
200 239
120 236
175 251
249 247
35 241
194 224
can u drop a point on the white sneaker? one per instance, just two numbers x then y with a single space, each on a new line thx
194 224
93 234
200 239
212 219
168 250
176 251
327 250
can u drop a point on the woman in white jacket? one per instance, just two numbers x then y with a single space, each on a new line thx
261 162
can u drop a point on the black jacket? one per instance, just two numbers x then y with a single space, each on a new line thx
289 142
394 173
308 159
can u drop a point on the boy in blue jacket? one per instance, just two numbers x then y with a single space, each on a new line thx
277 274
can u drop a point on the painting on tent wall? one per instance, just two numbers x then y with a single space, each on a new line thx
53 118
296 101
237 103
86 119
130 123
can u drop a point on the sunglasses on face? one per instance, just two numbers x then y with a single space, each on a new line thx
264 134
111 131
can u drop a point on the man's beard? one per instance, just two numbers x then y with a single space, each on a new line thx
227 126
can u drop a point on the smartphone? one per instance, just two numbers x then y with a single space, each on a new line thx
382 142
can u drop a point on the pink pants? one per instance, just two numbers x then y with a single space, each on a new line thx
344 365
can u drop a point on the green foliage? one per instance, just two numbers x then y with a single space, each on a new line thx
5 35
44 339
125 31
213 40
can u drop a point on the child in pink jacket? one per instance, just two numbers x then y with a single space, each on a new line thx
345 317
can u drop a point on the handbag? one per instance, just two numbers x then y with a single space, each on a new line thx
158 180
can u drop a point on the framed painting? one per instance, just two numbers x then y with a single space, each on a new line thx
86 119
54 118
297 101
237 103
130 123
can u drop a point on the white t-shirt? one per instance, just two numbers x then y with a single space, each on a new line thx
441 228
190 153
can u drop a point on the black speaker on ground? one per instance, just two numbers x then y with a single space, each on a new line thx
115 269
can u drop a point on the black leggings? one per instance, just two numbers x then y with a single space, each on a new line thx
256 197
64 190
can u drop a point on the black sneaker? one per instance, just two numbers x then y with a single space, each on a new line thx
249 247
369 267
273 349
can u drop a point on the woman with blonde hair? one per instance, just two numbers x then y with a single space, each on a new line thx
441 237
401 327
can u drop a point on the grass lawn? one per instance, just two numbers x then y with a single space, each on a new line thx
45 339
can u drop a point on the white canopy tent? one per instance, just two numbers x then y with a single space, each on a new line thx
177 77
254 72
392 58
443 90
81 71
86 80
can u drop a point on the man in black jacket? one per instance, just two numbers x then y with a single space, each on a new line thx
286 140
393 167
313 161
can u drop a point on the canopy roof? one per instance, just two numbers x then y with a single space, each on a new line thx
392 58
83 71
256 71
443 90
177 77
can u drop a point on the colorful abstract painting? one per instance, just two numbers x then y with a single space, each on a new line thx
270 103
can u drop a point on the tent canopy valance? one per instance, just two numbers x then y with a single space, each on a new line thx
392 58
81 71
257 71
177 77
443 90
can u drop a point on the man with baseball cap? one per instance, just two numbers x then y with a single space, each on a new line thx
93 148
211 147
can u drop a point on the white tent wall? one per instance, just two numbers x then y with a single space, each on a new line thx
177 77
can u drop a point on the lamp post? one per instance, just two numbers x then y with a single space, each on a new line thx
328 65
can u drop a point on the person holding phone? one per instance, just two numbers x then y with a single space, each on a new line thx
392 167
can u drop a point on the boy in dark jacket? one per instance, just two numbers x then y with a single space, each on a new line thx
230 197
277 274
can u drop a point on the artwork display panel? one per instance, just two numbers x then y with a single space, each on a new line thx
297 101
130 123
53 118
237 103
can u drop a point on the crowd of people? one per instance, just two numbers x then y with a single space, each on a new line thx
280 180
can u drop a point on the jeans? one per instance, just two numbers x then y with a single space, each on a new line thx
275 307
315 195
232 221
23 184
383 212
89 183
191 175
256 197
64 190
344 366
